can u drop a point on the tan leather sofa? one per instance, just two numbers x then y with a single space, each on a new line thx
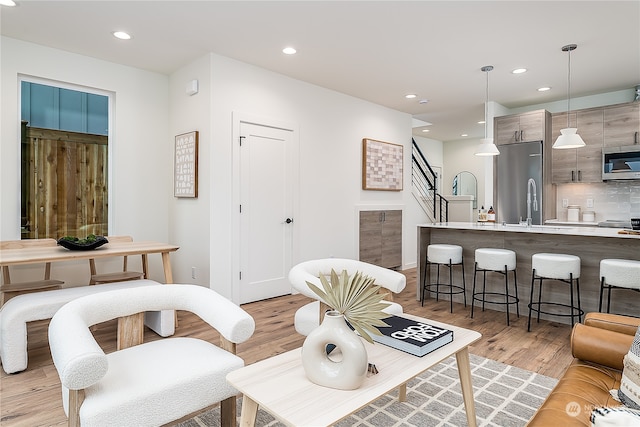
599 346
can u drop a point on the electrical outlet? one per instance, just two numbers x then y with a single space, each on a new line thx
565 203
589 203
193 272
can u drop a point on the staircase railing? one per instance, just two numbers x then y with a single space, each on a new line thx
425 189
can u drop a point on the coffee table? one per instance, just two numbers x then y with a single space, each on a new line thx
279 385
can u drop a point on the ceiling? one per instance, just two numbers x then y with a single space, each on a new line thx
378 51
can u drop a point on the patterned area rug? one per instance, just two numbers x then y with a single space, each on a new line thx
505 396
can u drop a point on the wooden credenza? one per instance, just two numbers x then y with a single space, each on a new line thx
381 237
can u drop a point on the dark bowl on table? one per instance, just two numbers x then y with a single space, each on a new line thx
78 245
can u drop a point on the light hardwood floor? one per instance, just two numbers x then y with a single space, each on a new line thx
33 398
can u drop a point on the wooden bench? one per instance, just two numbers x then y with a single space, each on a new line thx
20 310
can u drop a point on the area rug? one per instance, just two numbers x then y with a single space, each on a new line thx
505 396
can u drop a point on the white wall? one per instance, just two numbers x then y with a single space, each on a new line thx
140 182
331 128
190 218
591 101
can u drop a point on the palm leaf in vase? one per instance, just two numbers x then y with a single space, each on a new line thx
357 298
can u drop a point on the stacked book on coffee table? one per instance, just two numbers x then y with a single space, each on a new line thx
411 336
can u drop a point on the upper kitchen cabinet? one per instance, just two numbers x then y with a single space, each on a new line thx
579 164
622 125
520 127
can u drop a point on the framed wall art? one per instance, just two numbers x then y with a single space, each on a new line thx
382 164
185 179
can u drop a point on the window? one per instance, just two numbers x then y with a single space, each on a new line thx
64 161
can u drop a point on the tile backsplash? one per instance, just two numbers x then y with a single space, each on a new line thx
618 200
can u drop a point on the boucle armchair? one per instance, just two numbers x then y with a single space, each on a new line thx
309 316
150 383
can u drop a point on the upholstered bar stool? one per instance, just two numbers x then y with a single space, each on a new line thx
447 256
618 274
500 261
557 267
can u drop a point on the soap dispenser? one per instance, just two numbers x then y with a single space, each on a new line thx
491 215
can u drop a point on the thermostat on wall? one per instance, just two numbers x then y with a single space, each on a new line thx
192 87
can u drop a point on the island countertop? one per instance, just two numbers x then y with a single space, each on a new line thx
541 229
591 244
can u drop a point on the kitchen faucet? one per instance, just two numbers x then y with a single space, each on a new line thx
531 183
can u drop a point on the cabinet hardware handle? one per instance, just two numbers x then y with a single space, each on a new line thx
573 175
579 175
635 138
515 136
521 135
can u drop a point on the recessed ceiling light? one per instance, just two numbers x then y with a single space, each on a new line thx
7 3
519 71
464 134
289 51
410 96
425 130
423 101
121 35
543 89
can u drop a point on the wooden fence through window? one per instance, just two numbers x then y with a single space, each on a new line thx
64 183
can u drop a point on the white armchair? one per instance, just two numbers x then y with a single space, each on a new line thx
309 316
150 383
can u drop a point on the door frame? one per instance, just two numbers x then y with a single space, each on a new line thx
237 119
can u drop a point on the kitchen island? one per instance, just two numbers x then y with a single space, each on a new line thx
591 244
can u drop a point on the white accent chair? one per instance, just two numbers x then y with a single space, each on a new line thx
309 316
150 383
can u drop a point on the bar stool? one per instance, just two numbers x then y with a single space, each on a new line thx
500 261
559 267
448 256
618 274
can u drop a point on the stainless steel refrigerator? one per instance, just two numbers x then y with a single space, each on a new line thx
519 182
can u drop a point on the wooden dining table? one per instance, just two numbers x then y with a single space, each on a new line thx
24 256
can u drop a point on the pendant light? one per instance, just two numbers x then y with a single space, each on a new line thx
487 147
569 137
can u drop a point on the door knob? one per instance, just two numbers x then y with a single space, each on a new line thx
288 220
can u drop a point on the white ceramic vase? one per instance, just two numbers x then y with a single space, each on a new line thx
345 368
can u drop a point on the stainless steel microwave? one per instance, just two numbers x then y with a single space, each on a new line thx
621 163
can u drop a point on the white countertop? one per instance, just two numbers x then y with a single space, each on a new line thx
571 223
538 229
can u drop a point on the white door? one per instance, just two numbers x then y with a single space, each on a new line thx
266 209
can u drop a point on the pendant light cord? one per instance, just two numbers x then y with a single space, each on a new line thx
568 48
486 107
486 69
569 88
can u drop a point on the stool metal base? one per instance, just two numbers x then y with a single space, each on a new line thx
452 289
604 286
537 306
508 299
